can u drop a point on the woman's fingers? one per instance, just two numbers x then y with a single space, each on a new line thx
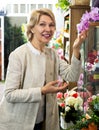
63 87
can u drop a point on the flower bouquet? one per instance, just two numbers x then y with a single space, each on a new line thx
70 105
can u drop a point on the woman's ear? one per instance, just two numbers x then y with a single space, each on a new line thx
32 31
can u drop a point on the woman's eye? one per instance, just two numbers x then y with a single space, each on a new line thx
42 24
52 25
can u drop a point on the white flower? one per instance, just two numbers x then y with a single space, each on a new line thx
80 108
67 108
79 101
94 97
70 101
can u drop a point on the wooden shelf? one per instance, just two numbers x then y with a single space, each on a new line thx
94 24
75 13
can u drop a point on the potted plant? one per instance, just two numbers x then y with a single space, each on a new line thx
80 2
63 4
71 107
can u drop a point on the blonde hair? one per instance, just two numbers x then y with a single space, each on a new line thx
34 19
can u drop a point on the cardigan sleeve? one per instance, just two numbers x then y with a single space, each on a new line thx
14 92
70 72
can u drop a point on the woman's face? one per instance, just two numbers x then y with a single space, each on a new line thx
44 30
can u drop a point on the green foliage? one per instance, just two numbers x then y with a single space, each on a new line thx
94 105
13 37
83 122
63 4
73 115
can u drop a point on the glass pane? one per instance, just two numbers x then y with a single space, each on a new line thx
15 8
27 8
97 37
33 6
40 6
22 8
8 8
50 6
45 5
91 61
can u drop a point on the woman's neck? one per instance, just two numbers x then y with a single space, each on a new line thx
38 46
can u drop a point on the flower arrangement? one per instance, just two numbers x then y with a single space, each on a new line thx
71 105
86 123
87 18
91 118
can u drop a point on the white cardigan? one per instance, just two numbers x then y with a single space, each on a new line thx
18 109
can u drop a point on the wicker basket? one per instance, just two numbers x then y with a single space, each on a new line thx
80 2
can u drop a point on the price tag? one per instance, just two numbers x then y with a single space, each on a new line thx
96 76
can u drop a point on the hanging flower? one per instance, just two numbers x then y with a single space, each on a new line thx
88 17
80 80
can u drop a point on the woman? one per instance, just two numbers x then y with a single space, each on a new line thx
29 101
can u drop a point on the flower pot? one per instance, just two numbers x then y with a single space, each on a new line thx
92 126
84 129
80 2
64 124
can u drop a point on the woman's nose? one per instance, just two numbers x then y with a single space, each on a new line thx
48 28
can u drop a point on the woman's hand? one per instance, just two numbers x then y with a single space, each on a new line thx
52 88
78 42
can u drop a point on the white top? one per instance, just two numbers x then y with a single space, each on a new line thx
40 56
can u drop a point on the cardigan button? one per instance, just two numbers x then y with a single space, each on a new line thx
51 73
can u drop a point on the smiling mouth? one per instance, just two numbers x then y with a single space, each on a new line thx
47 35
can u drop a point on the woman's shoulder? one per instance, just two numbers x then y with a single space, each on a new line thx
21 48
20 51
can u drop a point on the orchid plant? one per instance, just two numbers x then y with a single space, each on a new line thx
88 17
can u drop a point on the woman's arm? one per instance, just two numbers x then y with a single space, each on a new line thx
78 42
